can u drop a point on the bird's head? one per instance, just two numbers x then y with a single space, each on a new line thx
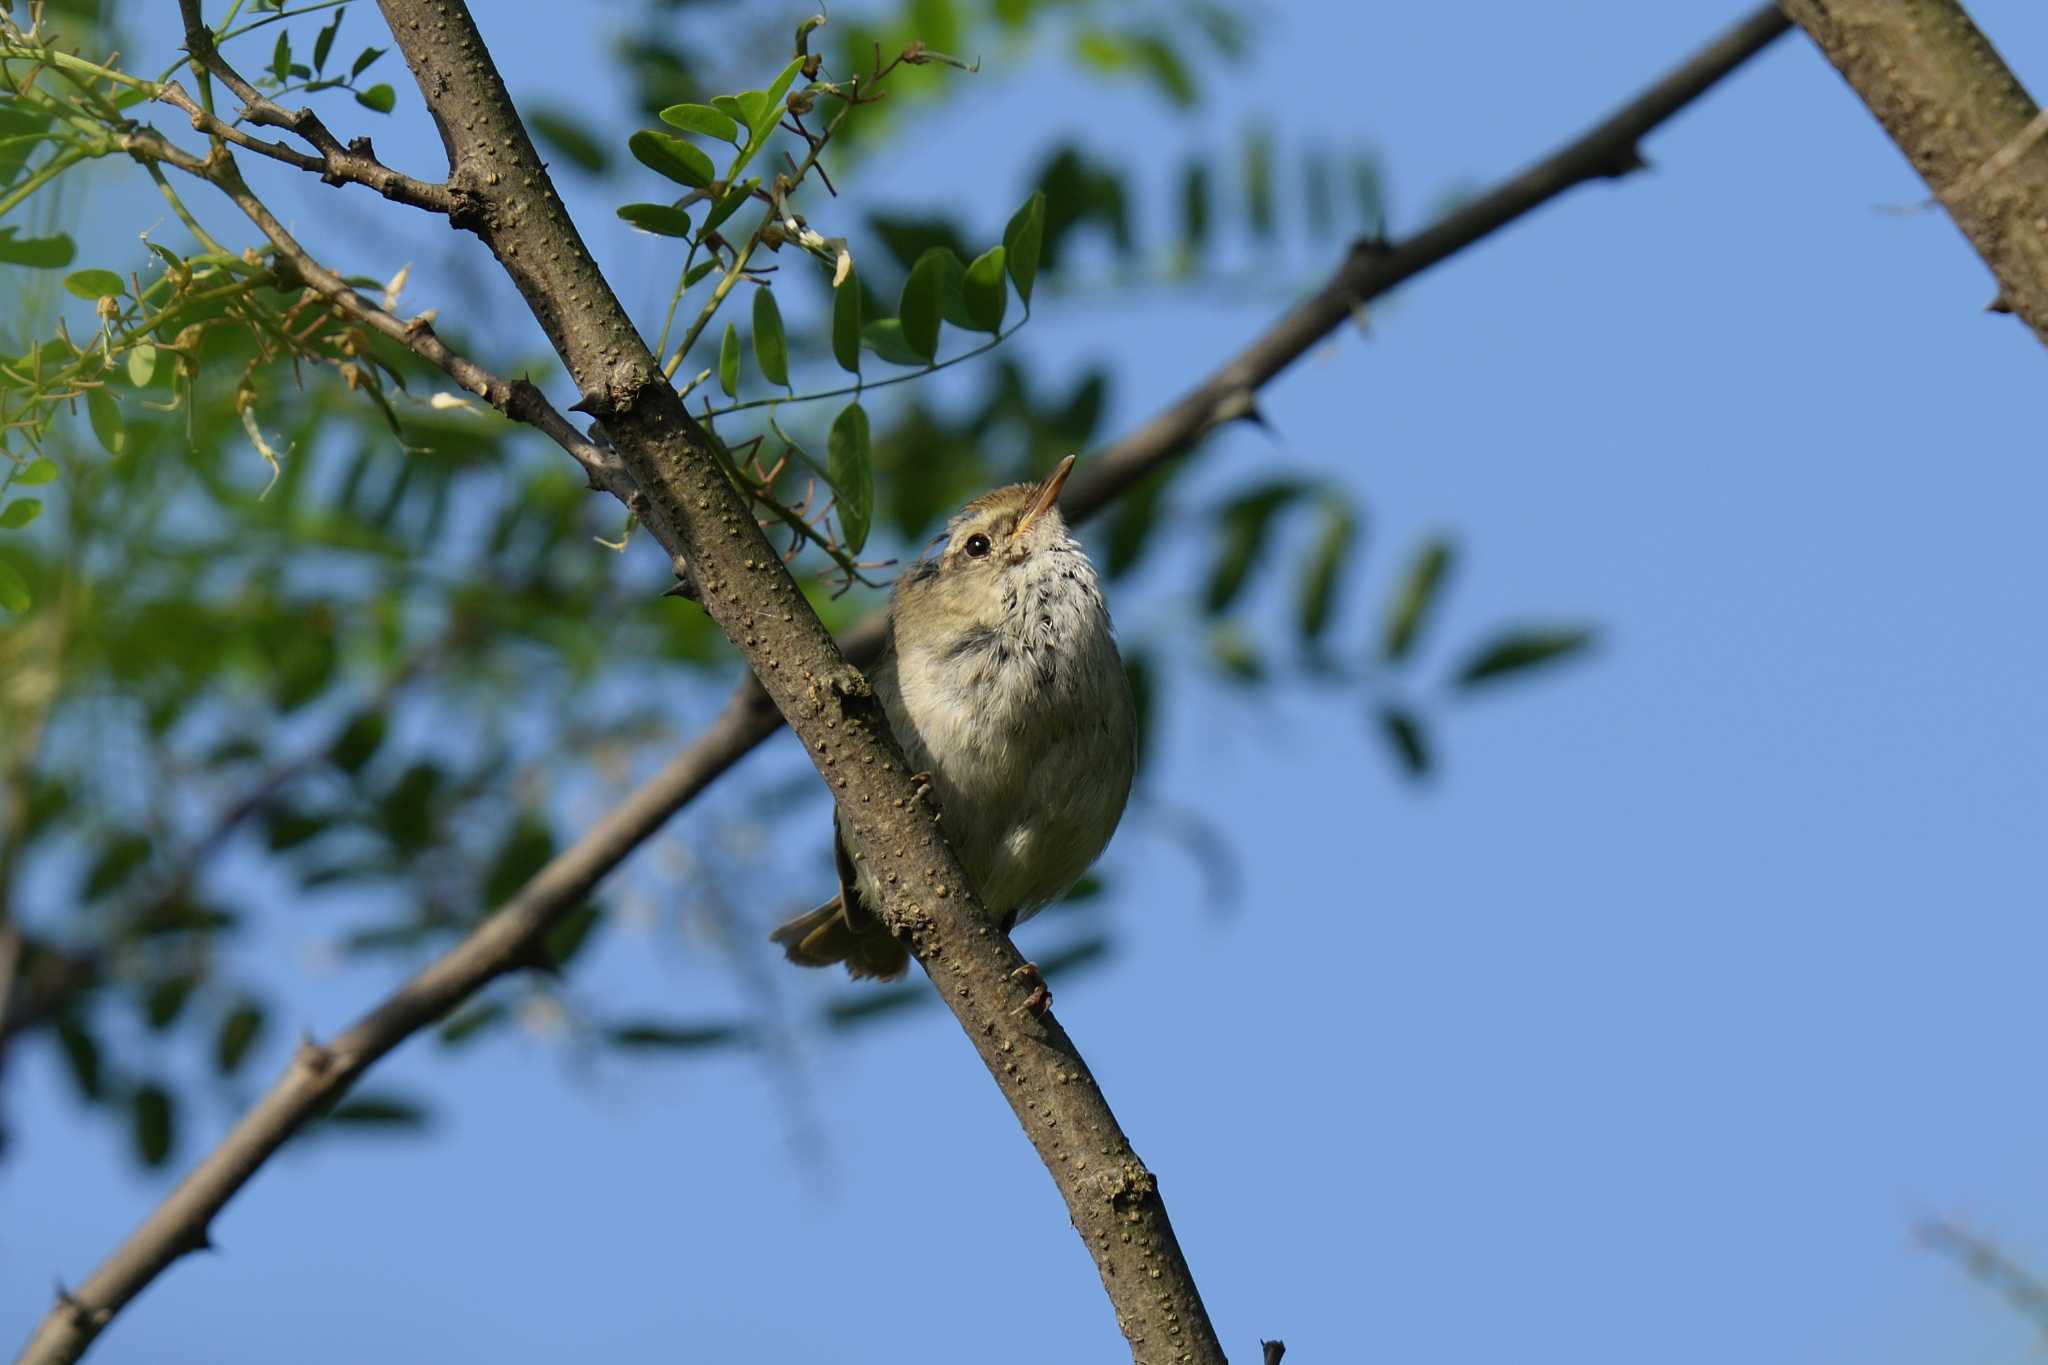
990 543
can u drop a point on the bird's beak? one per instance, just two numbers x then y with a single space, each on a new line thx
1048 494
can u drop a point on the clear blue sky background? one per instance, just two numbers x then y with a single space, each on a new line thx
1644 1033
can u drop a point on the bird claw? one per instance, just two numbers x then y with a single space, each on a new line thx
922 784
1040 999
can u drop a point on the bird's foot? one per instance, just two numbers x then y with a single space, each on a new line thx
1040 999
922 783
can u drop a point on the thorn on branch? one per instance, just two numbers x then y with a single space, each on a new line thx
1274 1350
1998 305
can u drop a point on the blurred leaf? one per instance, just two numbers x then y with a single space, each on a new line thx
984 292
1132 520
118 858
166 1000
473 1021
569 934
1138 676
884 336
569 137
873 1003
142 365
153 1114
81 1056
662 219
40 470
19 513
701 118
1194 204
1416 595
107 426
908 237
95 284
375 1110
729 362
1258 180
238 1033
771 349
40 253
365 59
1233 653
525 850
1324 568
359 740
1021 240
380 97
1245 524
1368 183
651 1035
846 324
919 306
671 156
1518 650
1404 734
849 464
323 43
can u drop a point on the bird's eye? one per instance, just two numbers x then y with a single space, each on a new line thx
977 546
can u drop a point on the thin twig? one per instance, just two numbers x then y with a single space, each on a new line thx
179 1223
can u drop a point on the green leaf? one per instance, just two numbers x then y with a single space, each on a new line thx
14 593
1517 650
570 933
1021 241
655 1036
107 425
1324 568
569 137
698 272
379 1111
846 324
1234 654
919 306
380 97
849 465
1404 734
238 1033
167 999
1414 597
1245 523
1194 204
141 364
359 740
81 1055
527 846
281 57
664 220
702 118
729 362
728 203
771 348
680 161
95 284
770 112
20 513
39 253
42 469
731 108
364 59
884 336
324 42
472 1021
1258 180
985 292
154 1119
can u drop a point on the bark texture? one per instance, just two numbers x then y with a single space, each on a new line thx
1948 100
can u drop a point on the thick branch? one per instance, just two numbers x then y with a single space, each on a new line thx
509 936
1961 117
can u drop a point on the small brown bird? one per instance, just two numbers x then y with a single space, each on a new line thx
1001 679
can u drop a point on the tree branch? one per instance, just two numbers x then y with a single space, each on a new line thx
509 936
355 163
1962 118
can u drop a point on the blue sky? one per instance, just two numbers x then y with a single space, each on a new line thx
1647 1030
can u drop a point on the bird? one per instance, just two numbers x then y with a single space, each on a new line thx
1000 677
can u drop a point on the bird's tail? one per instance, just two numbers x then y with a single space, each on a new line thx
821 937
